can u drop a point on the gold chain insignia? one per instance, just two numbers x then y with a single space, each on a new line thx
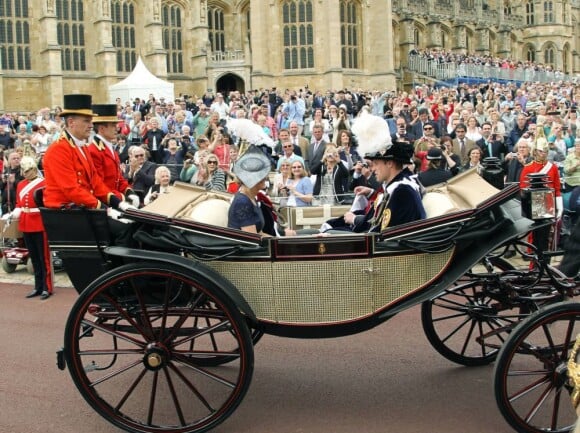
386 219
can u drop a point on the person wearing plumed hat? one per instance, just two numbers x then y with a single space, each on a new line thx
398 199
250 210
30 224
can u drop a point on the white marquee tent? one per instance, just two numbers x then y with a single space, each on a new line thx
139 84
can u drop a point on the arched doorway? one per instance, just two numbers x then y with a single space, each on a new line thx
229 82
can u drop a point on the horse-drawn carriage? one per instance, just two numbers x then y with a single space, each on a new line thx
162 336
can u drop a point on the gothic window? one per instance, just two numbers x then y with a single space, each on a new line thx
172 38
548 12
349 37
530 55
507 8
549 56
123 16
217 32
417 38
298 31
530 20
71 34
14 35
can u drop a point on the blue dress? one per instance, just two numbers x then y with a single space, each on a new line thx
243 212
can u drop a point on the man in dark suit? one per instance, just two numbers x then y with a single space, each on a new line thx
140 172
401 133
489 144
462 145
140 106
316 149
418 127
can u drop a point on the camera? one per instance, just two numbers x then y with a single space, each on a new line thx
293 98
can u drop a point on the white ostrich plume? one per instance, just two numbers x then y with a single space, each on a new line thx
250 132
372 133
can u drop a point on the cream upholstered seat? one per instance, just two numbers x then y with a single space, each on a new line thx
212 211
437 204
464 191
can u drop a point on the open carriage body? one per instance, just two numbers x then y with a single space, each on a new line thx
162 337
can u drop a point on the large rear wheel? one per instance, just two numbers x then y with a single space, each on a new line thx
139 344
531 383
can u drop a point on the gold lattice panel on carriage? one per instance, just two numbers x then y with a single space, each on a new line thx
330 291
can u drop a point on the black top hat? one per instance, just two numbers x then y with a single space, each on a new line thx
433 153
77 104
105 113
398 151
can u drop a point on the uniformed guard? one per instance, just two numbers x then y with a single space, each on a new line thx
540 164
30 224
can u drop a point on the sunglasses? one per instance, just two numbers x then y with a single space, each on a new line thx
142 155
428 128
288 147
212 162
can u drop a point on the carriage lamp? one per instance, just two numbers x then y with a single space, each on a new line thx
538 201
493 172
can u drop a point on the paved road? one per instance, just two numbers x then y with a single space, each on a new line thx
385 380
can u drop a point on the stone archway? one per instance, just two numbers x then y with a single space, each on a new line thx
229 82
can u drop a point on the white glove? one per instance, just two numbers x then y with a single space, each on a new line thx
6 216
133 199
16 213
124 206
559 207
116 215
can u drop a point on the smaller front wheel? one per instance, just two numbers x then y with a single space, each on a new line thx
8 267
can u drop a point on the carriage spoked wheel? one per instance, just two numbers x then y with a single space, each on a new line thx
531 383
464 323
139 344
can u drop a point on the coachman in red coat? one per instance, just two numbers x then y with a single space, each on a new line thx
71 176
104 156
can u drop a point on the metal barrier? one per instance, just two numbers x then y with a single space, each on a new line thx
449 70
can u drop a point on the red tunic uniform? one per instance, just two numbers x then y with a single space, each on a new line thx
71 177
537 167
30 224
108 165
30 219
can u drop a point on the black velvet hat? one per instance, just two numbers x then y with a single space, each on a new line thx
398 151
105 113
77 104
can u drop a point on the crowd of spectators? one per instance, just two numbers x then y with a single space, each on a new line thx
312 128
444 56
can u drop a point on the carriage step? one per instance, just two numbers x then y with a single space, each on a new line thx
60 361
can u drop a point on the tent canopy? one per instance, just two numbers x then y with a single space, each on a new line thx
139 84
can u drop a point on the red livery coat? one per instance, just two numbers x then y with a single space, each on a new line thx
71 177
108 165
30 219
